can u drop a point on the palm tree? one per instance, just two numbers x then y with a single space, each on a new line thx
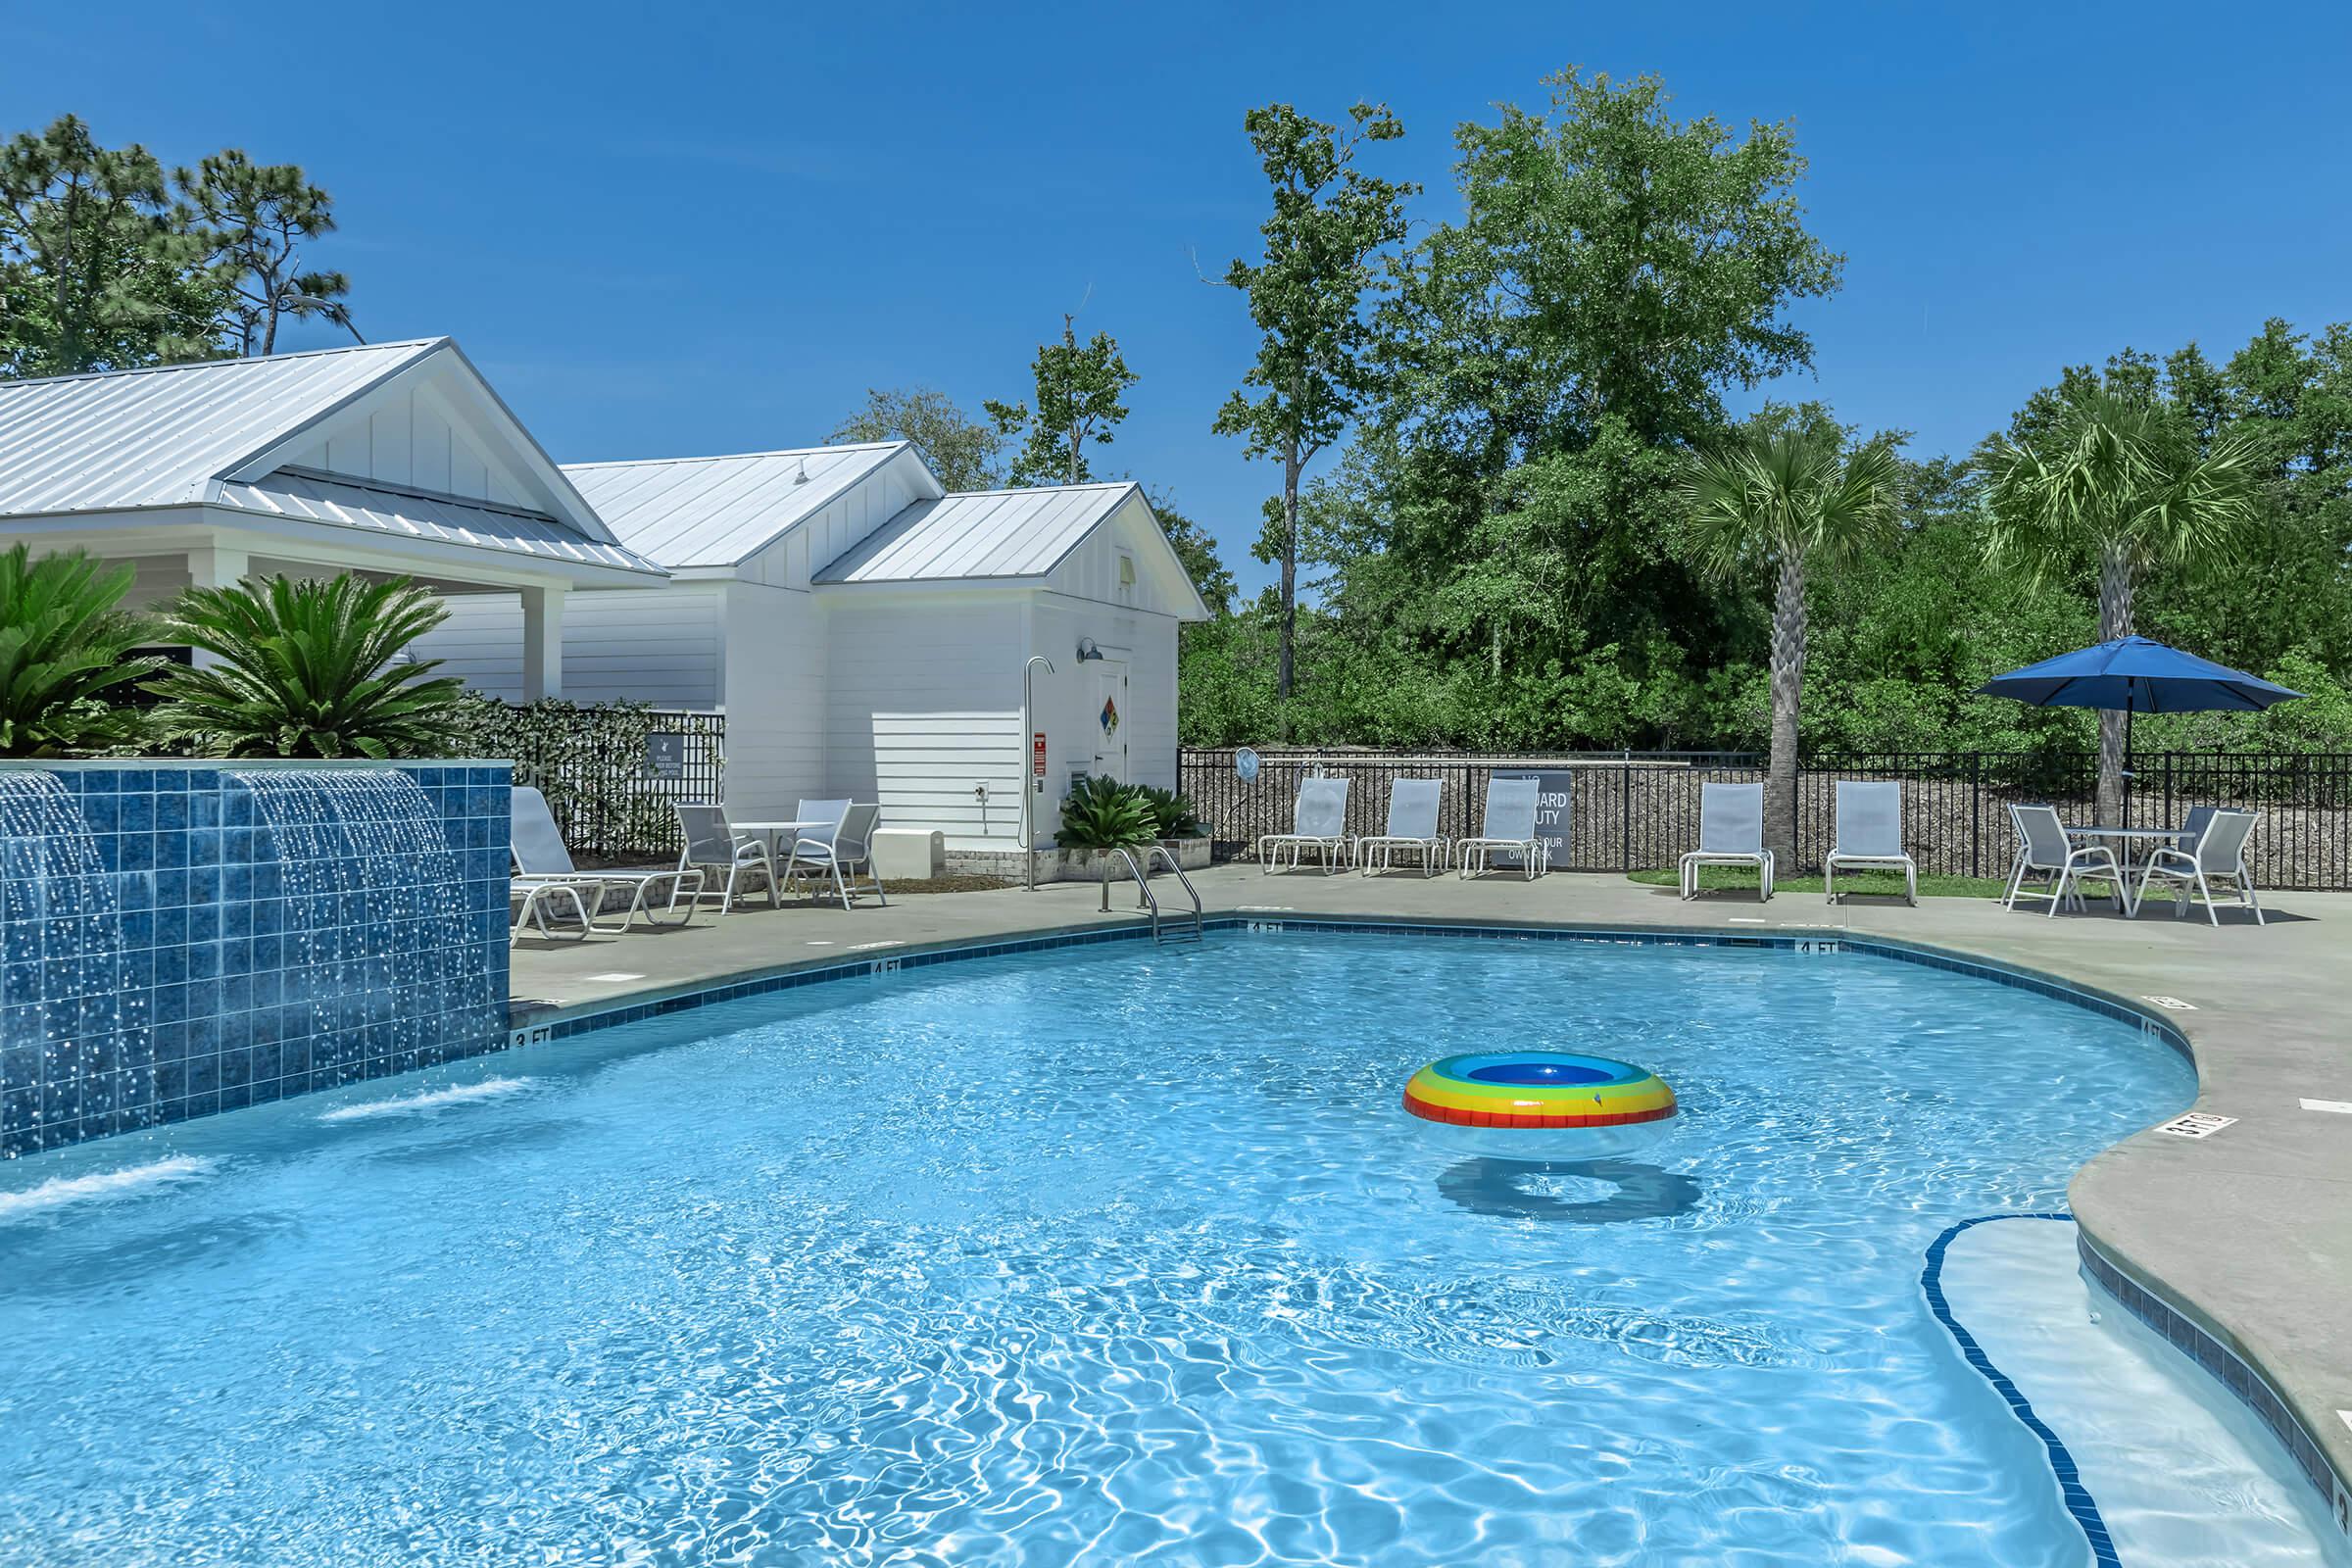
308 669
1785 501
2118 477
64 643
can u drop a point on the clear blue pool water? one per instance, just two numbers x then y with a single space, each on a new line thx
1104 1256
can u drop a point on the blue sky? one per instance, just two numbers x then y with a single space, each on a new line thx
705 228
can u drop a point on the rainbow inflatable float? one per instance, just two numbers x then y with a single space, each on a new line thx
1543 1103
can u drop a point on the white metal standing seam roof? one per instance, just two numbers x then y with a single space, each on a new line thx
410 515
162 437
979 535
719 511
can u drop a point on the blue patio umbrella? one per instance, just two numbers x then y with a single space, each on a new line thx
2135 675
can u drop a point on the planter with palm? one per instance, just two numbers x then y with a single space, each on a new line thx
65 644
308 669
1103 814
1786 501
2119 477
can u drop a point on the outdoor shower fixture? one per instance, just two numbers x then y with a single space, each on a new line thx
1035 784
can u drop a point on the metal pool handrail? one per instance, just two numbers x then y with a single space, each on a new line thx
1150 901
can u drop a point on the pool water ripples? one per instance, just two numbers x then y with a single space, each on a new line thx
1090 1256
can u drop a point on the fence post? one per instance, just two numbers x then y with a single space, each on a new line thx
1976 813
1624 812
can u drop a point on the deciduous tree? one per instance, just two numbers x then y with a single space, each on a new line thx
962 451
1079 387
1331 223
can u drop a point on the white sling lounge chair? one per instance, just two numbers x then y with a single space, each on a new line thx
2220 855
1318 822
1870 832
1508 827
2043 848
1730 832
722 852
542 861
1412 825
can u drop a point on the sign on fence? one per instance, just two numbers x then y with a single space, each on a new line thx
1554 793
666 755
1553 789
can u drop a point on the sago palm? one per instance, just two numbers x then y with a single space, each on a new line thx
308 669
65 644
2117 479
1787 502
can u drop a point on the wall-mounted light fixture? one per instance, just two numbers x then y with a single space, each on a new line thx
1087 650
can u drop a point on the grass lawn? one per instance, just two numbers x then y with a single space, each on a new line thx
1731 878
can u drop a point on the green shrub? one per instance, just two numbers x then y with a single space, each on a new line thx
65 641
1103 813
308 669
1172 814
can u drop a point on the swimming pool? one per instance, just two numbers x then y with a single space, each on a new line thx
1095 1256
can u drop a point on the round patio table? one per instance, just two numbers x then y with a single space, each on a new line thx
773 832
2124 839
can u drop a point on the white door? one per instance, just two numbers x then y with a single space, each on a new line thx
1107 717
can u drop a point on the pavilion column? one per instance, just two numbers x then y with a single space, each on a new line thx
542 642
214 566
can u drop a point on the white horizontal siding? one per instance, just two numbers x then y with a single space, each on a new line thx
775 698
923 703
658 646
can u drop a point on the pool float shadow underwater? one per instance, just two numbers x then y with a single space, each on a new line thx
1540 1105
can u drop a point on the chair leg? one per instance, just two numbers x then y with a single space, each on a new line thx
2213 916
2255 903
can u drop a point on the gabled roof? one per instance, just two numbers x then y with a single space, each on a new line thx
720 512
163 436
979 535
237 434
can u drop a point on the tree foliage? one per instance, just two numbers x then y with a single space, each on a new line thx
94 275
965 453
103 268
308 669
1331 224
2119 474
253 221
1781 502
64 645
1079 392
1499 556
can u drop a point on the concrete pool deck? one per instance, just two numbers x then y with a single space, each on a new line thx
2246 1233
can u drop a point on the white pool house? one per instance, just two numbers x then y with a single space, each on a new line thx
864 632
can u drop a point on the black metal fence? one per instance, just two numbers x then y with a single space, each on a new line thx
1630 810
612 775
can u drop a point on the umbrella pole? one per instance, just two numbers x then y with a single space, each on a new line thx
2129 706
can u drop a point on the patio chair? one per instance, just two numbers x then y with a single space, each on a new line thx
1318 822
719 850
2192 826
1412 825
536 897
1507 827
1870 832
1730 832
2220 855
542 861
830 852
2042 847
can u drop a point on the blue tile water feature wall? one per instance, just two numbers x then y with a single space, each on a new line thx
177 939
